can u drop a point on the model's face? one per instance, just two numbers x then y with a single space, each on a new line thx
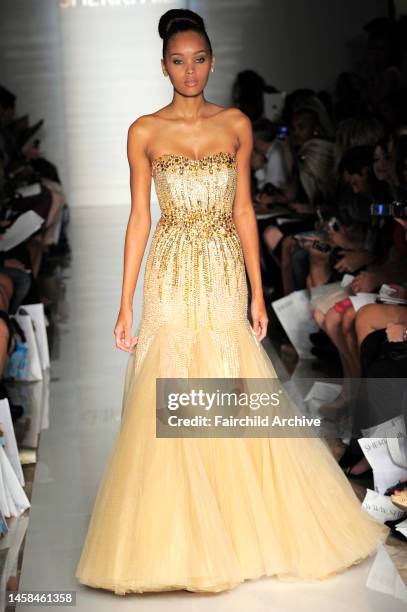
187 62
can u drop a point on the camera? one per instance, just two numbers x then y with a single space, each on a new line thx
389 209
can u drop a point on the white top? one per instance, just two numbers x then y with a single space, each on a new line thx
275 170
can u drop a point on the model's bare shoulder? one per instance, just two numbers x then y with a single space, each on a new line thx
242 125
243 131
231 112
141 127
140 135
239 118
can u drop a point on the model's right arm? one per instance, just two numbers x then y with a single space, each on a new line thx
138 227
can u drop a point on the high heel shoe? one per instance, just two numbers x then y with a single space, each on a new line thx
367 474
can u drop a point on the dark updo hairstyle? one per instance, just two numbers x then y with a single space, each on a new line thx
181 20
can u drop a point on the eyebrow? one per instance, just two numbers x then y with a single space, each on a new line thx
200 51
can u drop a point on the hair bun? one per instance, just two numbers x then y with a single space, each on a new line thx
176 15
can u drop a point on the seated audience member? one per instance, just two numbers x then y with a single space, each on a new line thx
360 130
311 185
271 151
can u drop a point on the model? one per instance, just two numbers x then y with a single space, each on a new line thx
205 514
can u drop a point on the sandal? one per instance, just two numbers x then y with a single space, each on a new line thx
400 486
361 464
400 500
366 474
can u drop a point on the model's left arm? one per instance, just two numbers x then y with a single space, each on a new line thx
245 221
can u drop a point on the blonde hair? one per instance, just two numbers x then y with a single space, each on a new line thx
312 104
316 160
356 131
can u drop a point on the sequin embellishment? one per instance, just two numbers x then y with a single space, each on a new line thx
195 274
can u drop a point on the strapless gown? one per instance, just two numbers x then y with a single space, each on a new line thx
205 514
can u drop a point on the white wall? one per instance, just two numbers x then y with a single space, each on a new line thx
112 74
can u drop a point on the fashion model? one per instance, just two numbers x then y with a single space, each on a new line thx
205 514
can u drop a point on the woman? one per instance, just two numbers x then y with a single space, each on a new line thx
311 186
206 514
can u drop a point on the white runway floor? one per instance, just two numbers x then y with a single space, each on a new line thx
85 406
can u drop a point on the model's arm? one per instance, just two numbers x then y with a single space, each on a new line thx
245 221
138 228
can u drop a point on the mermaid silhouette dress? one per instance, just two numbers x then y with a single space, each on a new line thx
205 514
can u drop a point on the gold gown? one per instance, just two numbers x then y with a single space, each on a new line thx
205 514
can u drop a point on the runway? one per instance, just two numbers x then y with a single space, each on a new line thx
85 406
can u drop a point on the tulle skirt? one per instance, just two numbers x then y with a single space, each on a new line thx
205 514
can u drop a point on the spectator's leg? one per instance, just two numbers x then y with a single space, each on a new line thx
21 282
270 265
320 269
349 333
376 316
35 246
300 267
333 327
319 318
272 237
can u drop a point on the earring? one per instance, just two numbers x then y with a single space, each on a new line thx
212 69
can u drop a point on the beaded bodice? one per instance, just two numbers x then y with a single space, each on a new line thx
197 195
195 274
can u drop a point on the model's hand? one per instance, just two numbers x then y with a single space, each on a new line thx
259 317
122 331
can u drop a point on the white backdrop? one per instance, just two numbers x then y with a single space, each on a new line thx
112 75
